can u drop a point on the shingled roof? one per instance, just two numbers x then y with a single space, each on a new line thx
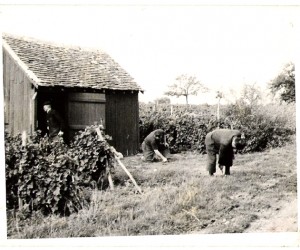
52 65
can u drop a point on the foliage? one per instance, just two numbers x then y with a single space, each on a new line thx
187 126
262 130
178 199
49 176
184 86
284 84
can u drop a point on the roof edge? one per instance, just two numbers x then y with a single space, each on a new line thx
15 57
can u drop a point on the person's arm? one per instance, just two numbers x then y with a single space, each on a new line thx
164 159
156 151
165 142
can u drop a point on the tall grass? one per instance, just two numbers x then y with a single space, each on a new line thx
178 198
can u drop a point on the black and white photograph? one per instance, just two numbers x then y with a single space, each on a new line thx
145 124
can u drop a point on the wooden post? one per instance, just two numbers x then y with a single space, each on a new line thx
118 156
110 181
219 96
20 202
24 138
24 143
218 113
100 137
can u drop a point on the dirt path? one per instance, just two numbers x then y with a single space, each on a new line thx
283 220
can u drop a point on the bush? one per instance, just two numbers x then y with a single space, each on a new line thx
185 128
264 126
49 176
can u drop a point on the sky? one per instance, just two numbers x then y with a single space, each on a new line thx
224 46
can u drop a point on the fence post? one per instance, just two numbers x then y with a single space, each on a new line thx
24 138
24 143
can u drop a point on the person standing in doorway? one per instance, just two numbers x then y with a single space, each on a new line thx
55 123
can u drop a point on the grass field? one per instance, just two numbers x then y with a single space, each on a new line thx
180 198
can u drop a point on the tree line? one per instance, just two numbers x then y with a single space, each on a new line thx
282 86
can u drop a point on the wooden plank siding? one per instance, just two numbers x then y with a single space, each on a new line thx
18 93
122 119
6 91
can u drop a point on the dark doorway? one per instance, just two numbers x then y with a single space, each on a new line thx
58 101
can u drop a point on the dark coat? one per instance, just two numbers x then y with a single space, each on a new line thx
154 141
219 142
55 123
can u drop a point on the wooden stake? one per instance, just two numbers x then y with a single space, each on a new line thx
118 156
20 203
24 143
24 138
100 137
110 181
130 176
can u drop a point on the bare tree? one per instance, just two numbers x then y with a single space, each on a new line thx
185 86
251 94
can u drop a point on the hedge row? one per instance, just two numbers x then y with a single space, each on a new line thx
186 128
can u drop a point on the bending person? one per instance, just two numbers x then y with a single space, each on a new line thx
222 142
155 147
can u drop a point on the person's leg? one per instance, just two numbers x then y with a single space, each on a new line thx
221 167
148 154
211 162
227 170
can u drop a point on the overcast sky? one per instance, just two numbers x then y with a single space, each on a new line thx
223 46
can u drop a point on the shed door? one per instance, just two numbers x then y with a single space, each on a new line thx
85 109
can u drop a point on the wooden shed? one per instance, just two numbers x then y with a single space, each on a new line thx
86 86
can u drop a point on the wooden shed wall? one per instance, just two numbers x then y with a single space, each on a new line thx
122 121
18 97
85 109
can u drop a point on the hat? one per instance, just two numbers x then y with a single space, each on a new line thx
46 103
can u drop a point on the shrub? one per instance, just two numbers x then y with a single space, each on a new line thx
185 128
264 126
49 176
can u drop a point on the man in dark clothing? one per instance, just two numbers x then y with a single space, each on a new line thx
55 123
155 147
222 142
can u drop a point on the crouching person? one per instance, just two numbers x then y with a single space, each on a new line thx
155 147
222 142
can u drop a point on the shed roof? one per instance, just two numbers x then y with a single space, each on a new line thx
48 65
